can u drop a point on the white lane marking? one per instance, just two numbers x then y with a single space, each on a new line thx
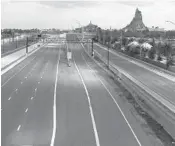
38 82
21 82
54 106
41 77
9 98
115 103
25 77
26 110
35 89
90 107
11 66
18 72
31 98
19 127
16 90
160 73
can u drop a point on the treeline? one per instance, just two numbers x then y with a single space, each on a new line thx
11 31
113 35
120 40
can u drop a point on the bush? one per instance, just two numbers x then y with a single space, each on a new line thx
151 53
159 58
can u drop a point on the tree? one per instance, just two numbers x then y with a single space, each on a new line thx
124 41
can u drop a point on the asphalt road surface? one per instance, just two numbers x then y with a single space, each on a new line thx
159 84
45 102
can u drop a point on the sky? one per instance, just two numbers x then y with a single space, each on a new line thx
70 14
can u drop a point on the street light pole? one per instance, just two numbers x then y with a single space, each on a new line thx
109 45
92 48
16 43
27 45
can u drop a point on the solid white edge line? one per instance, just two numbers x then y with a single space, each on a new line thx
90 107
23 58
114 102
54 105
156 71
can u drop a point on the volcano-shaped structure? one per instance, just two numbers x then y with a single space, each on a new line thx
136 23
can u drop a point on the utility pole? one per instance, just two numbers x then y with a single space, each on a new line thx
109 45
3 45
16 43
27 45
92 48
121 39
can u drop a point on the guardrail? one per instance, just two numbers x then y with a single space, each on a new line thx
162 110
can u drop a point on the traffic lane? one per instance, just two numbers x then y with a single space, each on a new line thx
137 123
159 84
37 125
15 81
5 77
74 126
14 109
111 125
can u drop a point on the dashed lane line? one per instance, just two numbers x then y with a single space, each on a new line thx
26 110
18 127
9 98
17 72
31 98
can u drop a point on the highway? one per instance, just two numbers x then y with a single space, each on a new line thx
45 102
161 85
27 99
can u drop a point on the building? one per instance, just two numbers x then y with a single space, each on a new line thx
90 27
156 29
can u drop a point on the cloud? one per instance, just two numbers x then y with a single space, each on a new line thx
69 4
137 3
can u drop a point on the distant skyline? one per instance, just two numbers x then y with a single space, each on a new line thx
65 14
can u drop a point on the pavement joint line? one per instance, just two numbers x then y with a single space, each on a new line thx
26 110
9 98
54 104
115 103
18 127
90 107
